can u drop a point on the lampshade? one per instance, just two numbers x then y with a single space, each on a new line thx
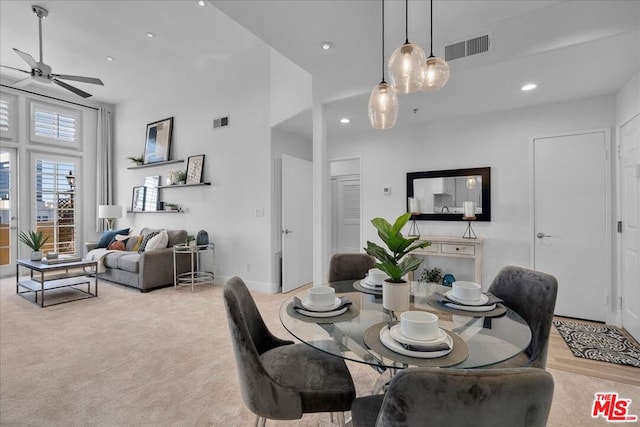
109 211
405 68
435 74
383 106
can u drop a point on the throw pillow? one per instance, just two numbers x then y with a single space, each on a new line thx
108 236
116 245
136 241
158 241
146 239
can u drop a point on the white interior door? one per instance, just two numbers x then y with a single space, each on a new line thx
630 202
346 219
8 212
297 222
570 220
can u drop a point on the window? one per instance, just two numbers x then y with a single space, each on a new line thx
55 203
53 124
7 119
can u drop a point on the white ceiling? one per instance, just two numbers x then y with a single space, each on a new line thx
571 49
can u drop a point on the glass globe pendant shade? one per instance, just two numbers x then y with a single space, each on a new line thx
383 106
405 68
435 74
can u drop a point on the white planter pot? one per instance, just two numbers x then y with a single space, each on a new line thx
36 255
395 296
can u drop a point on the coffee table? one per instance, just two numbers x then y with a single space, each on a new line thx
55 276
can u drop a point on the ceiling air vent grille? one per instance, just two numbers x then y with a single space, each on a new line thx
468 47
221 122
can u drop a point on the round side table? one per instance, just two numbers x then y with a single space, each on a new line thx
195 276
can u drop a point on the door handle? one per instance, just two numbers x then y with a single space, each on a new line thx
541 235
287 231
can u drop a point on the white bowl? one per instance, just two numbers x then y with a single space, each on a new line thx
466 291
376 276
419 325
322 296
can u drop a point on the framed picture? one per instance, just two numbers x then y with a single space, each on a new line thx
138 198
194 169
158 141
151 201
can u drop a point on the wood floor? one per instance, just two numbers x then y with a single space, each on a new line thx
560 357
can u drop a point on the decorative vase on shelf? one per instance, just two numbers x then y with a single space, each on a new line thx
395 296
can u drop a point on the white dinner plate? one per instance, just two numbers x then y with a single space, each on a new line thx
483 299
391 344
306 304
396 334
470 307
368 285
323 313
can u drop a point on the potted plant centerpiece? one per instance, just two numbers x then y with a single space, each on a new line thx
395 290
35 240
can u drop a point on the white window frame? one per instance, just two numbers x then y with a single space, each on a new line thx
47 157
12 102
55 108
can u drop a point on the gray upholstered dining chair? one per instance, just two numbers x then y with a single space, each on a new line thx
531 294
279 379
345 267
420 397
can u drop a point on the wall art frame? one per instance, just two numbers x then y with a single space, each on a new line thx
157 145
195 168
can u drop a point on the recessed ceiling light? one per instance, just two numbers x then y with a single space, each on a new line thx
201 3
345 120
109 58
326 45
528 87
151 35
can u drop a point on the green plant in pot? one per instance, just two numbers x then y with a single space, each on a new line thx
34 240
137 160
394 262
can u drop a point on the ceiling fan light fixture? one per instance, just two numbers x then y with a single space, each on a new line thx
383 106
435 74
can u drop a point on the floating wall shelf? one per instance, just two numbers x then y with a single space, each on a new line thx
150 165
183 185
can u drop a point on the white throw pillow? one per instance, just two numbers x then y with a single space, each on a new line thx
158 241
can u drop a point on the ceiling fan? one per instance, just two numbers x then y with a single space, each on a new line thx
41 72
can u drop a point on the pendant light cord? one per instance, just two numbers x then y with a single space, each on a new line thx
406 21
431 16
382 62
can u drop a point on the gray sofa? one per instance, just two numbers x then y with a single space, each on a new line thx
147 270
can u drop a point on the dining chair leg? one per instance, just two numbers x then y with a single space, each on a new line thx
261 421
331 417
340 417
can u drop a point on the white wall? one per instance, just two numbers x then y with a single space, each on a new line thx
237 158
628 100
499 140
290 88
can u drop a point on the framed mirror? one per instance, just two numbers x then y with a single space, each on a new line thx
441 195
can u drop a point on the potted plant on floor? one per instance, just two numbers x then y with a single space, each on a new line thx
395 290
35 240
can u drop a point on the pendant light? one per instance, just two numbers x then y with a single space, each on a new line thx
435 71
383 102
405 64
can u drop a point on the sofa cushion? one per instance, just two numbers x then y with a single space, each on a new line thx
129 262
146 239
108 236
111 259
133 243
116 245
175 236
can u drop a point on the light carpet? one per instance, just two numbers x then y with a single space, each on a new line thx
164 358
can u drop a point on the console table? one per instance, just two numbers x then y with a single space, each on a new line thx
454 247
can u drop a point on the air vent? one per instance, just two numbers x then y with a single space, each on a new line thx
221 122
468 47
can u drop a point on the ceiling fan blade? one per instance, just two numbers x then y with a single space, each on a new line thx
72 89
22 83
91 80
17 69
27 58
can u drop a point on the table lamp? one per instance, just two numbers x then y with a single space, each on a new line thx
109 213
469 215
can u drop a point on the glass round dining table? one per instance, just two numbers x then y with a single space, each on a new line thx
489 339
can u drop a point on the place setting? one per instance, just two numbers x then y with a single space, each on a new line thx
417 339
467 299
372 284
321 305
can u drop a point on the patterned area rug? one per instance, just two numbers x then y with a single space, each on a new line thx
599 342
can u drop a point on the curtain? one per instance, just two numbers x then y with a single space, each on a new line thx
104 169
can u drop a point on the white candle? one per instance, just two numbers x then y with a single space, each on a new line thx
469 209
414 205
